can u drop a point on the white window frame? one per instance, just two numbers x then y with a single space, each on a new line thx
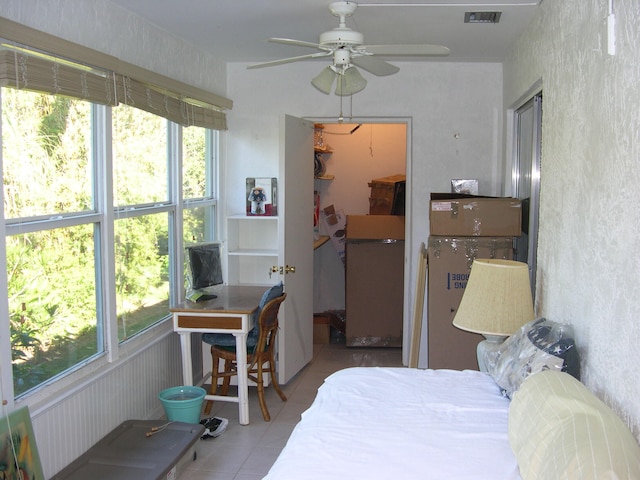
84 373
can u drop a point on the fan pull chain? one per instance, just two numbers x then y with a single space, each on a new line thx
340 117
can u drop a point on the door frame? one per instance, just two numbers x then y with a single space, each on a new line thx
533 99
411 254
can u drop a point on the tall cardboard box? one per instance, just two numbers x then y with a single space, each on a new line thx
450 260
374 280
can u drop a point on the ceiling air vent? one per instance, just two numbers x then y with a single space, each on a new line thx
482 17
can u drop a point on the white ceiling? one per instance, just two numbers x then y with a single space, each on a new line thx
237 30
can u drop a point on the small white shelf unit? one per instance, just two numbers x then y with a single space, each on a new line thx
252 249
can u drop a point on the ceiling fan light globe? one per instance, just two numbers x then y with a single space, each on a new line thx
324 80
341 57
350 82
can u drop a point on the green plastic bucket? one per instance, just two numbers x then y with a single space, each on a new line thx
182 404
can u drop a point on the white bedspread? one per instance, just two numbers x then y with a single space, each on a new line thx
401 423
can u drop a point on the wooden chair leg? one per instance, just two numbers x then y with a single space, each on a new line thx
214 382
260 385
226 380
274 380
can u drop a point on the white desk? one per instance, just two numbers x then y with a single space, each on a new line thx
232 312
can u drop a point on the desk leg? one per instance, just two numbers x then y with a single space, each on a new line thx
243 382
185 347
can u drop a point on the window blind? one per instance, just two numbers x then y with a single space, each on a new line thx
183 111
45 74
68 69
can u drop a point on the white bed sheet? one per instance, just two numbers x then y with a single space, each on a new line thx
401 423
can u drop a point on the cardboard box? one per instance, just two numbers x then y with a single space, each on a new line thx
375 227
388 195
321 329
450 260
468 215
374 280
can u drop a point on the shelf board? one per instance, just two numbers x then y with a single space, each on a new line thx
321 241
325 177
240 216
253 252
322 150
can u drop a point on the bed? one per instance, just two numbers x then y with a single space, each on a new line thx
527 418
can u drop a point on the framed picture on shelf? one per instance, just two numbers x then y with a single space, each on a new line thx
262 196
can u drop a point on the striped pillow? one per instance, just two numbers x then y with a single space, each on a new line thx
559 430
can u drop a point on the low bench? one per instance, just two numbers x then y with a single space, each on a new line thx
138 450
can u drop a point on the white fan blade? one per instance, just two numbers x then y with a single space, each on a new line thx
374 65
288 60
300 43
426 50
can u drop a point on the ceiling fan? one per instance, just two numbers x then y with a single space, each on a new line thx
347 48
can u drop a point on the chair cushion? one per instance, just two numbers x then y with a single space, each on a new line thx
228 340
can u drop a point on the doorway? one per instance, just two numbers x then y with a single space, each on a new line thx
362 150
526 179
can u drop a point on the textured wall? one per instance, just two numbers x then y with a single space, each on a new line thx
453 110
105 27
589 255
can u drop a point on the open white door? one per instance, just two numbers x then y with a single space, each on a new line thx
295 338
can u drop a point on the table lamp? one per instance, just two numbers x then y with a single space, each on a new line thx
496 302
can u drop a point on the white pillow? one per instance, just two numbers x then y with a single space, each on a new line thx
559 430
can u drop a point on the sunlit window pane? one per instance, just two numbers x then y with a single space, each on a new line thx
139 157
142 272
198 225
52 303
194 164
46 144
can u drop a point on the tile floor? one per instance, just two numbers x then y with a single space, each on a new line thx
247 452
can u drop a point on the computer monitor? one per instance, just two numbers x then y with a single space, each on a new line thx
205 265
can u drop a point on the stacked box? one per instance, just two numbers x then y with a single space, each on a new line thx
321 329
462 228
387 195
468 215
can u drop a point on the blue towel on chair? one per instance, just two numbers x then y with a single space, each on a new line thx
228 340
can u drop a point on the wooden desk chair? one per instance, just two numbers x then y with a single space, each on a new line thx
260 353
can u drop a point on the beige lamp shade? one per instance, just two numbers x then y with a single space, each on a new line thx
497 299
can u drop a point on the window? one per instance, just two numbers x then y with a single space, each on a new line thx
51 243
199 187
55 221
199 183
46 144
139 157
141 230
106 174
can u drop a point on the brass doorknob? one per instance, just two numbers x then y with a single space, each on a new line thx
289 269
